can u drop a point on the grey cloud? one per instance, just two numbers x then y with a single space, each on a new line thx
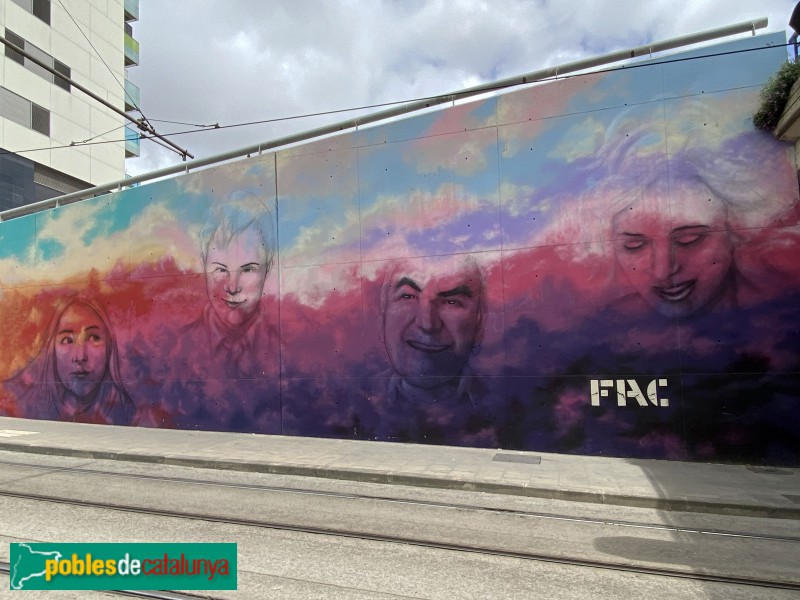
209 61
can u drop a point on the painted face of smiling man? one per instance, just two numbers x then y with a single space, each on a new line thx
675 248
432 319
81 350
236 270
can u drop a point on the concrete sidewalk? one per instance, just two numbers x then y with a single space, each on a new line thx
665 485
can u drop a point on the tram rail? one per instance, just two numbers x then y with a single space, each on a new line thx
410 501
420 542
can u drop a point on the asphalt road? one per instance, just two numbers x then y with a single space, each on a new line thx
276 561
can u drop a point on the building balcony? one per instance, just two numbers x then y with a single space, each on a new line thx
788 127
131 142
131 10
131 51
131 96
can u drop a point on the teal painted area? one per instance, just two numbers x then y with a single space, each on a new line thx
321 209
319 191
17 237
188 197
104 216
328 216
112 218
50 249
620 88
393 169
742 63
485 110
140 198
187 208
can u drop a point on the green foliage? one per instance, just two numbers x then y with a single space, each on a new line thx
775 94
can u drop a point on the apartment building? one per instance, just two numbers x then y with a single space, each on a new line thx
55 139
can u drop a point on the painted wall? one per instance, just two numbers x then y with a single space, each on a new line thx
606 264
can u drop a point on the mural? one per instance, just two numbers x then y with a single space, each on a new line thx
604 264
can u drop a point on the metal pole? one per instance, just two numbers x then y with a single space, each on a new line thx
580 65
140 123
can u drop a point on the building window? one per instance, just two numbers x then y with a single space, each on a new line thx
38 8
24 112
65 71
41 9
40 119
39 55
17 41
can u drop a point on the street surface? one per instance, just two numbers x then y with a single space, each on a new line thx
283 563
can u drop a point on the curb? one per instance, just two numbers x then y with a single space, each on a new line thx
595 497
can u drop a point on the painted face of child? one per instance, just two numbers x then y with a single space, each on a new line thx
235 276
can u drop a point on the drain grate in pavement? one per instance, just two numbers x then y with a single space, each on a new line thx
517 458
795 499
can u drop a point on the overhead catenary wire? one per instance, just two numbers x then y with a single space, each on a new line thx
140 123
488 89
182 123
157 142
217 126
89 139
528 78
100 56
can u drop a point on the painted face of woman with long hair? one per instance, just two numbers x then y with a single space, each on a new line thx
81 350
674 246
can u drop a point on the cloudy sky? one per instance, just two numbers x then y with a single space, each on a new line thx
229 62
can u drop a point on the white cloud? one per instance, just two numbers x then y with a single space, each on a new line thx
403 215
157 233
517 200
226 62
581 140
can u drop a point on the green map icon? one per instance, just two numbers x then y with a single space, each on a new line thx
123 566
28 564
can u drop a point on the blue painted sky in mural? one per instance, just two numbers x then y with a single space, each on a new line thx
112 218
392 163
17 237
712 74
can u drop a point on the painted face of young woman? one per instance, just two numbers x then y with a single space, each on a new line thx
81 347
674 246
